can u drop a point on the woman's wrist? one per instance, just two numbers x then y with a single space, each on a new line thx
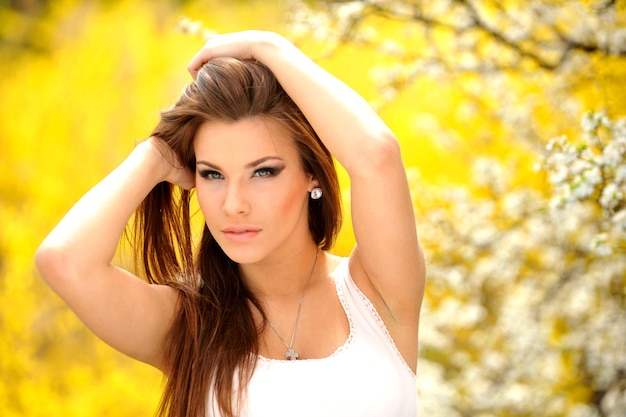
149 156
265 45
163 164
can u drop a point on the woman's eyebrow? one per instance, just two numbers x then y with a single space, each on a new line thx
251 164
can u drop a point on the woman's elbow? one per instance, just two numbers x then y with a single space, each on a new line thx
381 153
50 261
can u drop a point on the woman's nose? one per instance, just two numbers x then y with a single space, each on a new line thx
235 202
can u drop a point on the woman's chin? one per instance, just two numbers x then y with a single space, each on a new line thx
244 255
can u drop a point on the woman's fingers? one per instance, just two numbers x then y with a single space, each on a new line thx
236 45
174 172
197 62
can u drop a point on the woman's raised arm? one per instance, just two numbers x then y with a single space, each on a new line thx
75 259
388 262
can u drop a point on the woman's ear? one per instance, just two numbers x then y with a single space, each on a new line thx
313 183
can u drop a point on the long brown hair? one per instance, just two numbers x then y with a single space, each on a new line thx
213 340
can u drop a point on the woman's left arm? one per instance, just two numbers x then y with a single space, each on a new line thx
388 259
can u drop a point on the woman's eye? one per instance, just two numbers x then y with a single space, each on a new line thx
264 172
211 175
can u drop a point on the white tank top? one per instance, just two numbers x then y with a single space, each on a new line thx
365 377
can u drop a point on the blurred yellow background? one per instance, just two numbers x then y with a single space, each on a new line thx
80 82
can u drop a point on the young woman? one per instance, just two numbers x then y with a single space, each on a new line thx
256 318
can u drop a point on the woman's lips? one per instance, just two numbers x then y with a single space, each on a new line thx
241 233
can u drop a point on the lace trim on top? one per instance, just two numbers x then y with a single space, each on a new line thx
346 309
379 321
342 272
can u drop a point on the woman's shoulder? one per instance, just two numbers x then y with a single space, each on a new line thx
334 262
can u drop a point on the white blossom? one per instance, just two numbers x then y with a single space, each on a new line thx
592 121
601 245
611 196
581 187
619 219
613 153
620 174
530 281
349 9
391 47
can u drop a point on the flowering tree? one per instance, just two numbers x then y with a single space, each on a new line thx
525 307
539 58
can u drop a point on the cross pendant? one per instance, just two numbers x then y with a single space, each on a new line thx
291 354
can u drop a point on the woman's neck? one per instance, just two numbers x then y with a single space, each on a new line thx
283 275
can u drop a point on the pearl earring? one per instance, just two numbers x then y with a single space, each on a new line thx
316 193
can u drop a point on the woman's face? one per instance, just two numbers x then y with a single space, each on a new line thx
251 188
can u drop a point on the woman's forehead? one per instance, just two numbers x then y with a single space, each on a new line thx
245 139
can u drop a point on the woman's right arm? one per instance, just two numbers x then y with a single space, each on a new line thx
75 258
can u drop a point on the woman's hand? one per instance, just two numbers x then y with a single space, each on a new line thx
168 163
240 45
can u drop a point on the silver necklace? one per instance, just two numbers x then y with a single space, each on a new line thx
291 354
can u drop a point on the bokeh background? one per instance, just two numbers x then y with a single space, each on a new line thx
510 115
